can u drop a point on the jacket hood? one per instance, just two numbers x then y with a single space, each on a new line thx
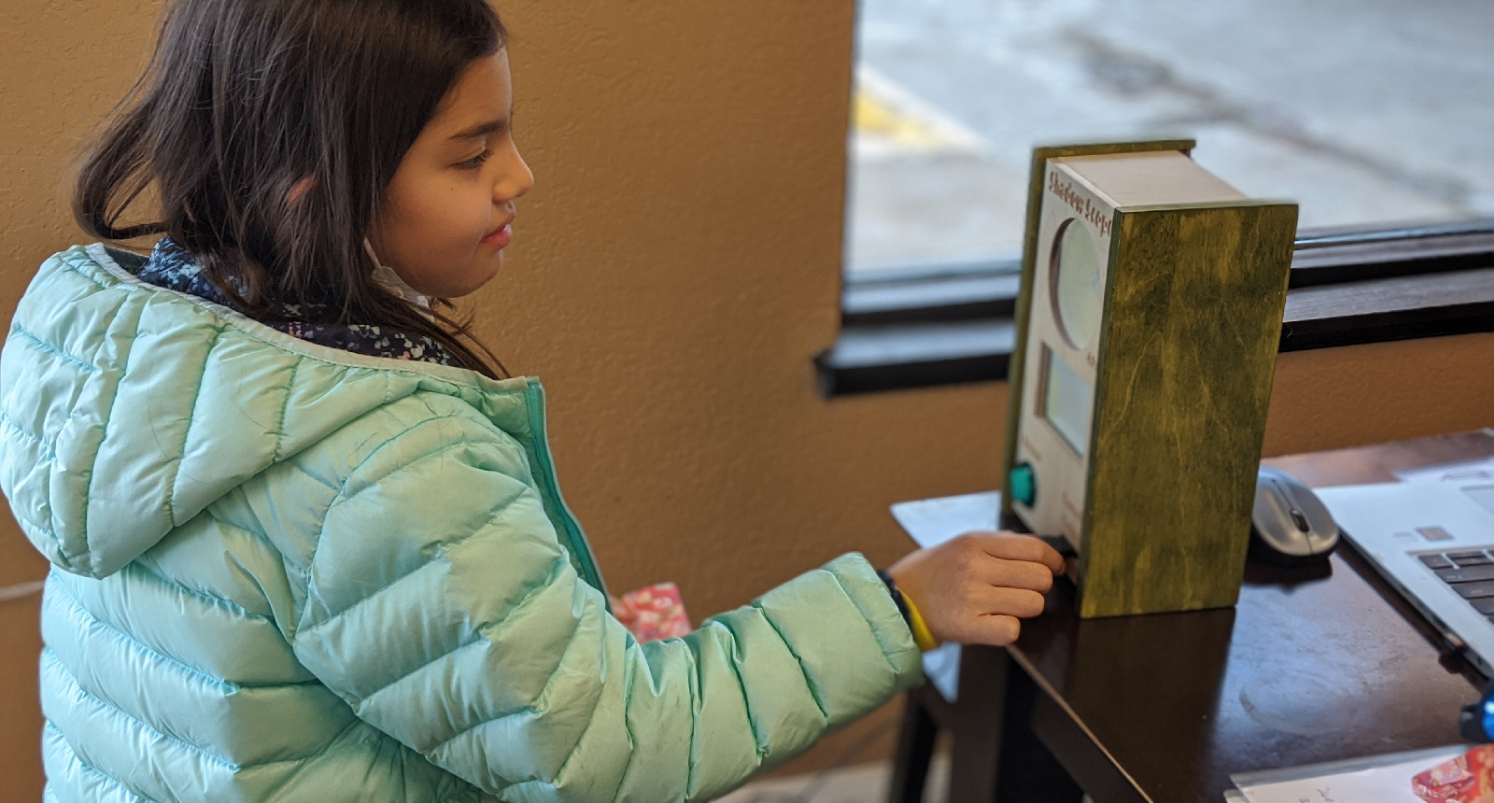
126 409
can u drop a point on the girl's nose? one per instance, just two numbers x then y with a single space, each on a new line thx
517 180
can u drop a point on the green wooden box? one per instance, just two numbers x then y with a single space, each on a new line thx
1148 327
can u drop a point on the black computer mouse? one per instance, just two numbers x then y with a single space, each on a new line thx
1289 525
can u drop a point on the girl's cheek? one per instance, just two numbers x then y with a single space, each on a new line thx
479 217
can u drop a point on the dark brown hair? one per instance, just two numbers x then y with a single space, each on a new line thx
242 100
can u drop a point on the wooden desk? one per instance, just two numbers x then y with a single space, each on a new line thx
1311 665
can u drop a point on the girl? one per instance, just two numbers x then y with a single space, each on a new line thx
308 545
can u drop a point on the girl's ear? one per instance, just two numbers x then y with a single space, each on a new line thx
299 191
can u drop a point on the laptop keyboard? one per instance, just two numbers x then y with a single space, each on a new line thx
1470 573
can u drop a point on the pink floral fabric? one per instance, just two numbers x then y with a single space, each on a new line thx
653 613
1469 778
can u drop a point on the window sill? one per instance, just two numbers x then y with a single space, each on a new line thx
1348 287
913 355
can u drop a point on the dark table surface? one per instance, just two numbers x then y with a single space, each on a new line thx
1311 665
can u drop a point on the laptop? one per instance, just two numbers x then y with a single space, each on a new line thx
1433 541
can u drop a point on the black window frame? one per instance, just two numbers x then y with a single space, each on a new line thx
927 325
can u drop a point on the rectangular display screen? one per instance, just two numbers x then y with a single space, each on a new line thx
1067 401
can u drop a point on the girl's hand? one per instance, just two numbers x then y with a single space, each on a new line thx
974 588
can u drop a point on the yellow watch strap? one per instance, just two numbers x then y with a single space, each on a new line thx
921 635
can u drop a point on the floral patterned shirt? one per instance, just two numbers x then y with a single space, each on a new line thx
172 267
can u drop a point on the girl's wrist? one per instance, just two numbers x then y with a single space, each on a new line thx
922 636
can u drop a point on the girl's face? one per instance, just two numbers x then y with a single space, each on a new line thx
448 211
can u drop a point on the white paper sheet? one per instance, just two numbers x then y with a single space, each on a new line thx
1469 471
1377 779
931 522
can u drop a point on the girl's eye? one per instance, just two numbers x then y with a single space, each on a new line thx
475 162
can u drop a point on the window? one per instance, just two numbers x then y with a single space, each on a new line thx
1373 116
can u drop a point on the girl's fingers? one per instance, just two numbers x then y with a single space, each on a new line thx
997 631
1017 602
1019 547
1015 574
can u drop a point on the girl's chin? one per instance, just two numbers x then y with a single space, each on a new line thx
482 272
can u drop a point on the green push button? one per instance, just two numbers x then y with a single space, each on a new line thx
1022 484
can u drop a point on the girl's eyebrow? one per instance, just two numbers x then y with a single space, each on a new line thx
481 129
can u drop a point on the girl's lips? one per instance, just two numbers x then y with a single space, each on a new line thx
499 238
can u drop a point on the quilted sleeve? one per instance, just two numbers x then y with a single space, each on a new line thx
443 609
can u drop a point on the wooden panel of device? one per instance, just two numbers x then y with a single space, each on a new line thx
1140 388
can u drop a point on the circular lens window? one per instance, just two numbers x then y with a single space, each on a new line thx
1075 283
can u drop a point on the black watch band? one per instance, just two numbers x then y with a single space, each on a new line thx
897 596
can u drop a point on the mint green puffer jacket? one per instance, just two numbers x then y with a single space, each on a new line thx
288 573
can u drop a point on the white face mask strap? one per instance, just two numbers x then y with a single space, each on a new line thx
386 276
8 593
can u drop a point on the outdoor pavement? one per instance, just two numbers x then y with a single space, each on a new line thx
1363 111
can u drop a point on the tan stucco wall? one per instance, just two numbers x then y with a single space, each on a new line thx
674 270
